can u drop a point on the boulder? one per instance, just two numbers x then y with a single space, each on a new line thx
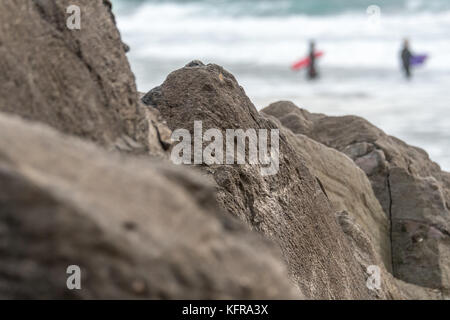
288 207
137 228
366 254
78 81
357 210
412 189
348 189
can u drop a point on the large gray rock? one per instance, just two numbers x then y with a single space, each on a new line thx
413 191
288 207
78 81
137 229
366 254
348 189
357 210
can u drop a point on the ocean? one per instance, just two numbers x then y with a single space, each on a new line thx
258 41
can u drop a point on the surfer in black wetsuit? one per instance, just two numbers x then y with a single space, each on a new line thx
406 59
312 71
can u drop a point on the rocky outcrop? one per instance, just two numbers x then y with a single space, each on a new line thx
141 228
357 210
78 81
136 228
348 189
412 189
289 207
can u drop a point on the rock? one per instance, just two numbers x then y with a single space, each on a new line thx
412 189
78 81
300 121
372 162
421 233
348 189
415 292
366 254
289 207
194 64
358 150
140 228
159 134
137 228
126 48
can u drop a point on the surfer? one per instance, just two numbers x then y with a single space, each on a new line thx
406 56
312 71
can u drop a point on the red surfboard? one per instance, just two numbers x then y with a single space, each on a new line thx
305 62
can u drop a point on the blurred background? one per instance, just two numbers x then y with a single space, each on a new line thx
259 40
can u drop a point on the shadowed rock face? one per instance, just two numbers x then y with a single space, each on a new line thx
412 189
78 81
137 229
289 207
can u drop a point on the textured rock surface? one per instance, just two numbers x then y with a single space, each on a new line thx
142 229
78 81
137 229
366 255
159 140
289 207
348 189
412 189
